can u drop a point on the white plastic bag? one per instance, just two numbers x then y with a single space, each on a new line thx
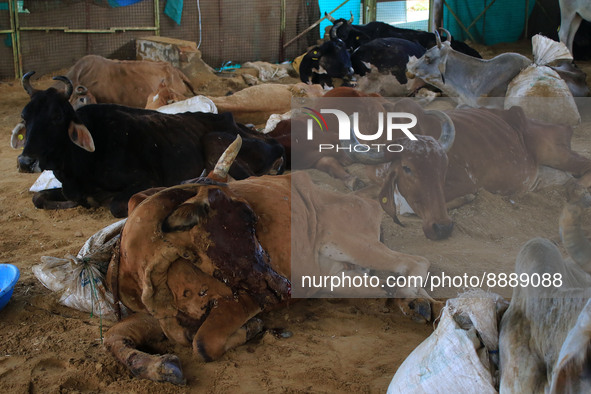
455 358
80 279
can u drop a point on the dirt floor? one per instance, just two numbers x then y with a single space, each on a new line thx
338 345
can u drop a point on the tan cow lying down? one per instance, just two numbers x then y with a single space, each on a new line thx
545 335
124 82
256 104
199 261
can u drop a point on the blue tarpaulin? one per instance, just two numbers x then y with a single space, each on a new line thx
122 3
174 9
503 21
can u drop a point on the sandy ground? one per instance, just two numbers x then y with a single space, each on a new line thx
344 345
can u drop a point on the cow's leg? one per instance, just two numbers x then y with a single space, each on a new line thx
331 166
143 329
366 252
555 151
231 323
52 199
569 24
521 370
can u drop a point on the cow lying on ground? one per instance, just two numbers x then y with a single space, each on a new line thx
545 334
256 103
387 55
502 155
451 158
468 80
199 261
104 153
463 77
124 82
356 35
332 59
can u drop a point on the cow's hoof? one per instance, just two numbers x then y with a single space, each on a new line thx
253 327
169 370
418 309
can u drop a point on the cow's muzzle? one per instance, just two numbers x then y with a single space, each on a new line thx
439 231
27 164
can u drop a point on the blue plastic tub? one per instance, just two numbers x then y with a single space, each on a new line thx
9 274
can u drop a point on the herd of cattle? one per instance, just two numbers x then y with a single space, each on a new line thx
213 219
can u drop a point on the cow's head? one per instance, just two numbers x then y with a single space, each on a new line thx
327 61
49 123
345 30
204 227
431 67
81 97
418 173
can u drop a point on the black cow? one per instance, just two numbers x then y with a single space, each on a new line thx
388 55
104 153
326 61
356 35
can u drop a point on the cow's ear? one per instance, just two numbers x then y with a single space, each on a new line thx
80 135
18 136
185 217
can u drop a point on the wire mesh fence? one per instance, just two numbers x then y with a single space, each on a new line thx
53 34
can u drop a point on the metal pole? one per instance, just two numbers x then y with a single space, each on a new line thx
19 48
282 25
157 17
15 58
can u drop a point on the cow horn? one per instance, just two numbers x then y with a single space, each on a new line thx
363 157
27 83
333 31
80 89
220 172
329 17
447 33
448 130
69 86
350 21
573 238
437 38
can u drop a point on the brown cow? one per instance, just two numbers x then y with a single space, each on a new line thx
125 82
199 261
496 150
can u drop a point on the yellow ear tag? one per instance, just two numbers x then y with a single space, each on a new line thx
384 200
20 137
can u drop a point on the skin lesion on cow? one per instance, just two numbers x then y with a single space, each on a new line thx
199 261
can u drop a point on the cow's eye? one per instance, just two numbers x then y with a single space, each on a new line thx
406 169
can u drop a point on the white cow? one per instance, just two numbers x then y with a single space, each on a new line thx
572 13
545 335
